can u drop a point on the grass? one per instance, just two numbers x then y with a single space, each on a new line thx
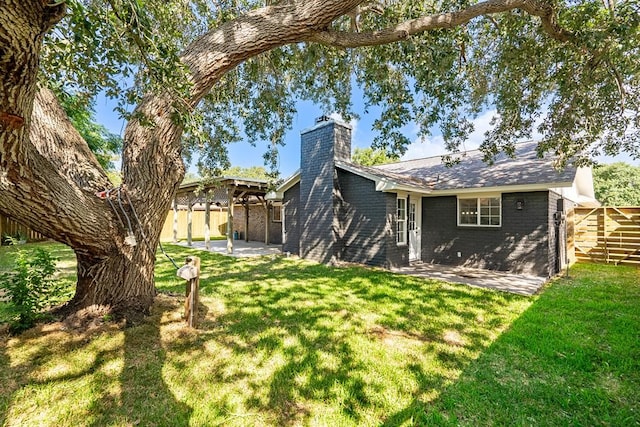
286 342
573 358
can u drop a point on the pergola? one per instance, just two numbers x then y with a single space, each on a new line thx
221 192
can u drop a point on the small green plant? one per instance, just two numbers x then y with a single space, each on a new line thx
17 238
29 288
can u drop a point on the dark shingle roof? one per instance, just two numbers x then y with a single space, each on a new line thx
399 178
525 169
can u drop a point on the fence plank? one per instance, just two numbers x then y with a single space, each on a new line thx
218 221
11 227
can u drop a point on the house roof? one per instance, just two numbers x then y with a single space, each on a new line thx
388 180
385 180
526 170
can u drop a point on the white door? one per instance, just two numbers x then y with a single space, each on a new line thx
414 221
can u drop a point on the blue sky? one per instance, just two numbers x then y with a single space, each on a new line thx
245 155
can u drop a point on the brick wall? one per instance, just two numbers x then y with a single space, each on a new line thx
257 216
362 216
520 245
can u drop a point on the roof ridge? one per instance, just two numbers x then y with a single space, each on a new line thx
477 150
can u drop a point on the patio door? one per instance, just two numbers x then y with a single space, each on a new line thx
414 223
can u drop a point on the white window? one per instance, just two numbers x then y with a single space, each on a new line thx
276 213
401 230
480 211
412 216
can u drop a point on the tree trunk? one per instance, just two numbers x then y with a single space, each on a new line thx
123 282
49 177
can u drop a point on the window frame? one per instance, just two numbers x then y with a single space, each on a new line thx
401 234
275 208
479 209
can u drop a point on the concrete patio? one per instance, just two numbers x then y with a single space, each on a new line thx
241 249
507 282
514 283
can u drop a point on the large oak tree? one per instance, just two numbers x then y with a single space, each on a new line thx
201 72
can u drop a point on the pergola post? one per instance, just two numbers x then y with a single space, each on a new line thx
190 220
267 222
175 219
230 194
207 221
246 220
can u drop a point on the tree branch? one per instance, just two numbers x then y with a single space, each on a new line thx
56 139
51 178
616 76
154 151
406 29
209 57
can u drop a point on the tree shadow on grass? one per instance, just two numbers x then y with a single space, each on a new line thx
100 375
8 386
26 363
315 324
145 398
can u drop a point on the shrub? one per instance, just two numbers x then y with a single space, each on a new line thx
29 287
17 238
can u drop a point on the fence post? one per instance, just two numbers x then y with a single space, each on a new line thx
191 273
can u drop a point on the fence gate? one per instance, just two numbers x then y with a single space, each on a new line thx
607 234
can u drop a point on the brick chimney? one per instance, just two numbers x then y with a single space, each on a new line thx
321 145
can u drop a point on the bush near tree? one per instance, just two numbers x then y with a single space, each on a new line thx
29 288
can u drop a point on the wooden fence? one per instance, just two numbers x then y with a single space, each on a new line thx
217 221
607 234
11 227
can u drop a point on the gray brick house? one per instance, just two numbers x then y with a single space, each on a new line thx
508 216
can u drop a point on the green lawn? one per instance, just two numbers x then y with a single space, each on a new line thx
286 342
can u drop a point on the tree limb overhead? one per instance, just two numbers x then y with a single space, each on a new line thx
441 21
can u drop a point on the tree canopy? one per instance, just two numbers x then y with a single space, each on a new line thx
371 156
566 69
253 172
617 184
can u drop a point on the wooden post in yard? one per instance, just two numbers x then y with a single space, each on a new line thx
230 194
191 273
190 220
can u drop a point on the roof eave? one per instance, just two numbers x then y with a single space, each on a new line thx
388 186
383 184
278 194
502 188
